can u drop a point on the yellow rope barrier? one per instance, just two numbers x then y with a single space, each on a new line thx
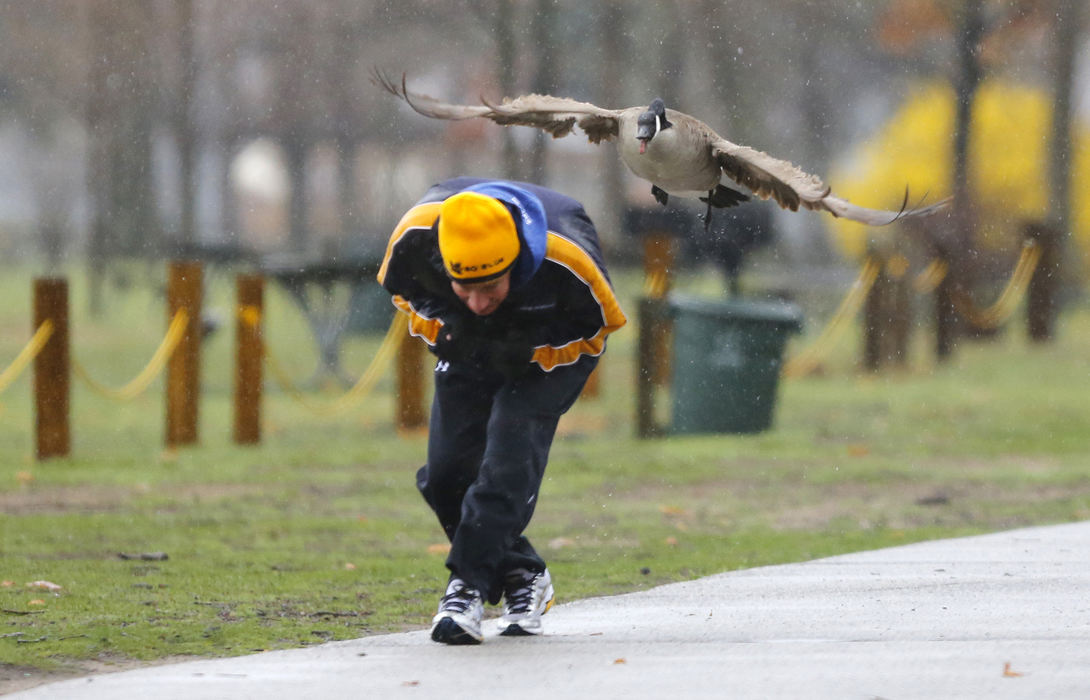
141 382
1009 298
805 362
28 353
394 337
929 279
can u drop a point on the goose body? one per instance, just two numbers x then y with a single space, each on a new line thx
675 159
678 154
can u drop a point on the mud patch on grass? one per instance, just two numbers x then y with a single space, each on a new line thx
53 500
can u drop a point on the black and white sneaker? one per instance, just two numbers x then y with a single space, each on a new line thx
527 595
460 613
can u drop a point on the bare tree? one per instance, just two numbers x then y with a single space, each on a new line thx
120 118
546 78
42 73
1067 25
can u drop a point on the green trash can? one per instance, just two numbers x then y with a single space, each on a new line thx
726 362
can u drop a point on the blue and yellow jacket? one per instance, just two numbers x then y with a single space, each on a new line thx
561 297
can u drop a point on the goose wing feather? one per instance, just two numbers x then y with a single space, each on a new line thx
426 104
792 187
555 115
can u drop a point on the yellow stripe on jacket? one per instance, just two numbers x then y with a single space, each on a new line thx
420 216
419 325
563 252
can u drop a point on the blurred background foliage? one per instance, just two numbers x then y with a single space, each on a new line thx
244 129
1009 156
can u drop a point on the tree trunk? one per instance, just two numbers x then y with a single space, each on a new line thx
958 245
544 82
506 57
295 151
184 123
611 23
120 114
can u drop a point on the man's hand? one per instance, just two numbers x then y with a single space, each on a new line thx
511 356
453 343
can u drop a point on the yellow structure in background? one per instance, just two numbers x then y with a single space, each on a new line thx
1008 154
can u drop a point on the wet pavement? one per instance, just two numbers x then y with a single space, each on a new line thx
1004 615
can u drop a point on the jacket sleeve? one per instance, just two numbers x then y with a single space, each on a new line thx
590 310
408 273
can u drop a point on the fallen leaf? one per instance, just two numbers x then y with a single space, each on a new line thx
560 542
24 477
410 684
6 584
349 566
672 541
36 601
619 661
1008 673
858 450
44 586
441 548
672 510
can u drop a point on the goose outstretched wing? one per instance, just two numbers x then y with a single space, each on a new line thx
426 104
554 115
792 187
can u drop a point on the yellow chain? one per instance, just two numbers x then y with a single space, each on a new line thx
931 276
28 353
141 382
394 337
1009 298
805 362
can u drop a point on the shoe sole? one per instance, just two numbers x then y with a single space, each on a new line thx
517 630
447 631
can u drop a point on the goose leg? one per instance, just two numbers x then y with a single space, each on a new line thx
660 195
708 214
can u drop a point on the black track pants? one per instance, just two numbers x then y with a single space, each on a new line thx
488 444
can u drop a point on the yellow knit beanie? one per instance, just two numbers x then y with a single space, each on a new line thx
477 237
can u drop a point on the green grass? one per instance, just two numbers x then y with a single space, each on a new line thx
318 532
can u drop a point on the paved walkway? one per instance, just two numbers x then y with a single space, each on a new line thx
998 616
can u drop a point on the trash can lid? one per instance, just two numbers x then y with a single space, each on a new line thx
763 310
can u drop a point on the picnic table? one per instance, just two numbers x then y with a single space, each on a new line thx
337 296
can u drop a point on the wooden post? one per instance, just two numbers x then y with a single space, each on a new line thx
1041 295
249 354
946 315
51 370
183 368
887 315
658 261
651 313
875 317
410 385
593 387
900 326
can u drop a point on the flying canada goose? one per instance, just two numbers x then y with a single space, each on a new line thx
676 153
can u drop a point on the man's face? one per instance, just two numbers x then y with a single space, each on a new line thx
485 297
